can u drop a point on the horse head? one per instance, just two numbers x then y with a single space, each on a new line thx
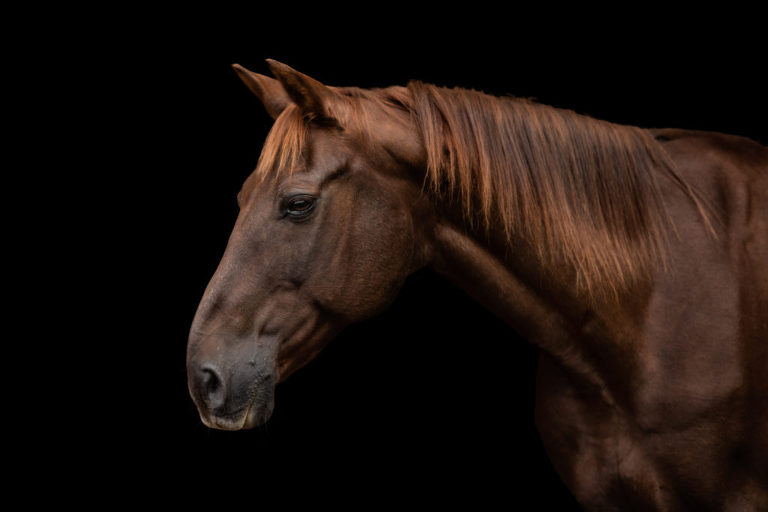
331 223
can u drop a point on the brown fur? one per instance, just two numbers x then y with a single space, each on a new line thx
654 400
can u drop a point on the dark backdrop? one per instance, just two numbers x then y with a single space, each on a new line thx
430 403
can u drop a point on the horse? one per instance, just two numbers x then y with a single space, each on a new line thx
635 260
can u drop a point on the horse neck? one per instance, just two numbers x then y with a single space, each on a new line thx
551 316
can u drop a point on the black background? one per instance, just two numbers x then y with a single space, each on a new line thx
432 402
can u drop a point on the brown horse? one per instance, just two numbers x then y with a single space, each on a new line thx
636 261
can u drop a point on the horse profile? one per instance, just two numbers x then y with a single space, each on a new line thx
634 260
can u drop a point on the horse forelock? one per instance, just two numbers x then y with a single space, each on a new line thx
284 146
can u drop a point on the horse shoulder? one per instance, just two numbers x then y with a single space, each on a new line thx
731 172
705 346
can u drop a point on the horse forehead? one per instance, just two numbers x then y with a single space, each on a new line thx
326 148
322 155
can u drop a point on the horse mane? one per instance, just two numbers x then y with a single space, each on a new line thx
584 192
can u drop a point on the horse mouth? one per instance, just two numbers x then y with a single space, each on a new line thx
255 414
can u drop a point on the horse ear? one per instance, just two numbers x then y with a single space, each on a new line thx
269 91
309 94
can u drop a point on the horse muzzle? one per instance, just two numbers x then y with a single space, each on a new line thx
232 397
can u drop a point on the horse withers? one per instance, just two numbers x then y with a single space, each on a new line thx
635 260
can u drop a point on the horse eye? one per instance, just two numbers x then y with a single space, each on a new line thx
299 206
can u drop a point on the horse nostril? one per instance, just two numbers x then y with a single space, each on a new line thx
212 387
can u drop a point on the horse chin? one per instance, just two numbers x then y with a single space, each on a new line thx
257 416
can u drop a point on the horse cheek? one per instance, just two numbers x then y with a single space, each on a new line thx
385 253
